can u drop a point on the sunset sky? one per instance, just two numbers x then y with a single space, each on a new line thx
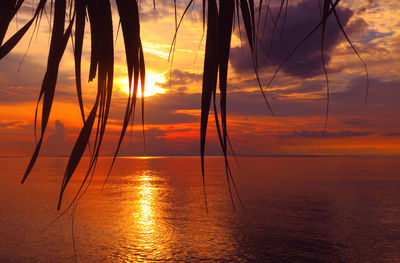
172 106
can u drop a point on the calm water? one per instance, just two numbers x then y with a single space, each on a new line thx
332 209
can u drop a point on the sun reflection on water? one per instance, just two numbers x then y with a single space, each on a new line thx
150 231
144 215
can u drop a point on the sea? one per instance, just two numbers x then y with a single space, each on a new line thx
152 209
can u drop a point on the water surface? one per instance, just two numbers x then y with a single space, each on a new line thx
297 209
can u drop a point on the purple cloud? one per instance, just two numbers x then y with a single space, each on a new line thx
316 134
300 20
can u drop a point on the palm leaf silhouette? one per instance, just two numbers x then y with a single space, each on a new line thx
219 19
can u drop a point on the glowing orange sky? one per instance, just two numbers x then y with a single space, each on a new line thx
172 106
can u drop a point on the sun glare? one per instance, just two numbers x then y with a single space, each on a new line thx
152 84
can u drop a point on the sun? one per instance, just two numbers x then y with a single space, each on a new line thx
152 84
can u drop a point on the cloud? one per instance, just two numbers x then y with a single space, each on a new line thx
391 134
30 73
24 85
382 96
357 27
165 10
300 20
163 108
357 122
55 144
172 107
181 77
12 124
158 142
306 86
316 134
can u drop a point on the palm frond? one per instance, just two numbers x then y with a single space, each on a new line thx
218 18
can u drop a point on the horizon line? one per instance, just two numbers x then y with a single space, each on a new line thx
217 156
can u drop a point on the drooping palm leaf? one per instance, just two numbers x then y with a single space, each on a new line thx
80 7
325 15
58 43
353 48
249 24
218 17
129 16
102 62
210 71
8 9
225 23
14 40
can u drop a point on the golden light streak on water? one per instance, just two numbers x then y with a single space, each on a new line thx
150 234
145 214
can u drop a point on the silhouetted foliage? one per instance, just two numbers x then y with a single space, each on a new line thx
219 19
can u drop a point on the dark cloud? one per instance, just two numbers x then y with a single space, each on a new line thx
252 104
176 106
12 124
151 15
347 110
357 122
382 94
306 86
23 85
10 94
180 77
348 101
29 74
391 134
165 9
356 27
315 134
306 62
